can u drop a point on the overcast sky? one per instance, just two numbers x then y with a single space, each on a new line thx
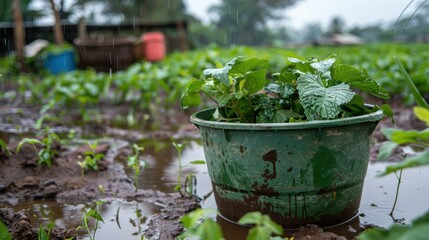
353 12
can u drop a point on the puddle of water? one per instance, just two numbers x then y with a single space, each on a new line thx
161 174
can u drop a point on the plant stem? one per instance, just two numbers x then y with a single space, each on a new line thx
397 192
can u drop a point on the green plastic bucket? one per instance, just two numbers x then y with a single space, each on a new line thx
297 173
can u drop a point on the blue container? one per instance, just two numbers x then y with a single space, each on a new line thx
60 62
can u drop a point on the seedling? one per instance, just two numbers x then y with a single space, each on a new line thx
47 153
43 235
195 229
91 158
190 180
4 150
199 224
135 163
264 226
94 214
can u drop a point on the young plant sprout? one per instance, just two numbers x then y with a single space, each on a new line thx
4 150
91 158
48 152
190 181
135 163
94 214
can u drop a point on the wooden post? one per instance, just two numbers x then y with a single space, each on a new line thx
82 32
58 34
182 36
19 34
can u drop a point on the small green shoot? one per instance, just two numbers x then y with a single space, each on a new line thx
135 163
208 229
190 180
47 153
43 235
264 226
4 149
91 158
94 214
179 147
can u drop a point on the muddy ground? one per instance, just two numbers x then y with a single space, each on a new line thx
21 179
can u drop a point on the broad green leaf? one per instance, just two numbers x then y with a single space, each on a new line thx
410 136
422 114
284 90
243 67
191 219
208 230
258 233
191 94
358 78
271 225
94 214
4 232
386 150
284 77
255 80
322 102
418 160
251 218
324 65
221 74
27 140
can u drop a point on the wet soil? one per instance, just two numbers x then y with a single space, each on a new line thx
22 180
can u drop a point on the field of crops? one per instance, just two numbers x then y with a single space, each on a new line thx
142 82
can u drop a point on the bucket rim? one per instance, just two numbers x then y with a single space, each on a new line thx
198 121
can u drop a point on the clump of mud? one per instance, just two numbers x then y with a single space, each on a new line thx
20 227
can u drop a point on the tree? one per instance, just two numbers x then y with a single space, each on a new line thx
244 21
28 13
141 10
337 26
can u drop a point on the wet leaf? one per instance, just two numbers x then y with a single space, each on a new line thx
191 94
419 160
322 102
386 150
324 65
221 74
358 78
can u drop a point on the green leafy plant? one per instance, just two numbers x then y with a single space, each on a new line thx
43 235
208 229
4 149
136 163
91 158
199 224
264 226
305 90
190 180
92 214
47 152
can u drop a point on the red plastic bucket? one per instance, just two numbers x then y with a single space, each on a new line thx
153 46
